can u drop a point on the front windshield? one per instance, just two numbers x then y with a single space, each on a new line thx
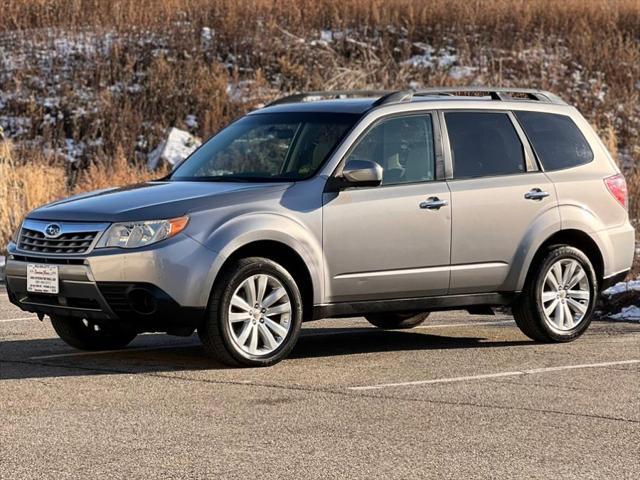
267 147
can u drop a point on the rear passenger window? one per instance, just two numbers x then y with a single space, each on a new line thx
556 140
484 144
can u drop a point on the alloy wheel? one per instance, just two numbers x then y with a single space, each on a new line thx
259 315
565 294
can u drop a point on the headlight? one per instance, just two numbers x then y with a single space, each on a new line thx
15 236
140 234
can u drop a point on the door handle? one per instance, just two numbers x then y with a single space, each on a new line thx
536 194
433 203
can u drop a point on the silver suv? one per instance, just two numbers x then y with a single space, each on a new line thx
387 205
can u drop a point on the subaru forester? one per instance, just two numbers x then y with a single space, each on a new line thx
387 205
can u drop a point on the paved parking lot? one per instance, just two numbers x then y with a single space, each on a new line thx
462 396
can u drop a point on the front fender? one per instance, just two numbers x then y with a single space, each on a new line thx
254 227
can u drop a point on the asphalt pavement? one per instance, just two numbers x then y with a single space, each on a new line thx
461 396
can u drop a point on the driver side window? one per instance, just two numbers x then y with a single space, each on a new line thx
403 146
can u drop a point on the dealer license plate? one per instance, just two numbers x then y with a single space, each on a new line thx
42 278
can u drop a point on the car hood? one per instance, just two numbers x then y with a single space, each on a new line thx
147 201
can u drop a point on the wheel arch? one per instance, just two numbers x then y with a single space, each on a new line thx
573 238
271 235
284 255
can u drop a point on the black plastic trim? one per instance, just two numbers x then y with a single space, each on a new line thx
97 302
167 311
444 302
613 279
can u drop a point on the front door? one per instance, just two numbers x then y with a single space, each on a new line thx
390 241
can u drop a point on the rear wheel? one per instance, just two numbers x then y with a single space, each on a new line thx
87 335
397 321
254 316
559 297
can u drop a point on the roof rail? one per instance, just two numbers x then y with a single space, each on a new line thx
496 93
388 97
394 97
301 97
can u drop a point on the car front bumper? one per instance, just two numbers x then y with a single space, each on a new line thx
156 288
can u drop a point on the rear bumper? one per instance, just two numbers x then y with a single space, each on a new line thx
152 290
617 246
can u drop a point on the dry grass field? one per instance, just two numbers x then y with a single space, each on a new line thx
88 88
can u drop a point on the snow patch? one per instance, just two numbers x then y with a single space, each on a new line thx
206 37
458 73
246 91
178 146
443 59
446 59
326 36
238 92
622 287
15 126
191 121
73 150
622 301
627 314
207 34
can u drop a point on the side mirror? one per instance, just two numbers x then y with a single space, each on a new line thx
362 173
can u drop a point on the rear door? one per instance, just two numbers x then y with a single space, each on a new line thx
497 192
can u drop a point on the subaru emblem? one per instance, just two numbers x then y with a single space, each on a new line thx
53 230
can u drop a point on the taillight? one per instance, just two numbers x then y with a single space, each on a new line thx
618 188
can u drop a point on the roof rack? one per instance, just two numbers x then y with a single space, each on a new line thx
496 93
301 97
399 96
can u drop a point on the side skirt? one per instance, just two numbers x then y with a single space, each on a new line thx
445 302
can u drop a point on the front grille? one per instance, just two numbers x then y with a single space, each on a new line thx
34 241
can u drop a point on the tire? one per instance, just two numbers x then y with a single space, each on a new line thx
553 326
228 336
397 321
82 334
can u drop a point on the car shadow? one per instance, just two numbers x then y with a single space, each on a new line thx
158 353
324 342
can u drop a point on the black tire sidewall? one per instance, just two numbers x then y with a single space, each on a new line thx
555 254
397 321
73 332
249 267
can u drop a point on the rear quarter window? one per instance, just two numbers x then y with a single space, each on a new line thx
556 140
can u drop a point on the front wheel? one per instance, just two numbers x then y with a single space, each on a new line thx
559 297
86 335
254 315
397 321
